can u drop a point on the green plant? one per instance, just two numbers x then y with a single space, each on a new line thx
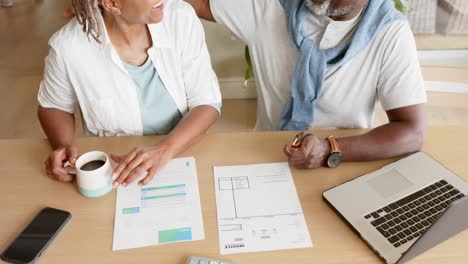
249 72
402 5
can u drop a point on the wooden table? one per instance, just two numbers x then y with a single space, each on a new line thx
87 238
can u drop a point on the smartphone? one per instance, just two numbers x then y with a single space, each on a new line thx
30 244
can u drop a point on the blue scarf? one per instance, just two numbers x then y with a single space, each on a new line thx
309 75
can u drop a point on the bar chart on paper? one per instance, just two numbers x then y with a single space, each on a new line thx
167 210
160 197
169 196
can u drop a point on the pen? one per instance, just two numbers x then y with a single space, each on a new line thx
297 141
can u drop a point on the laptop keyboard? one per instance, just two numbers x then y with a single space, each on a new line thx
200 260
407 218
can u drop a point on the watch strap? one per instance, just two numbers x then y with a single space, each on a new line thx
334 144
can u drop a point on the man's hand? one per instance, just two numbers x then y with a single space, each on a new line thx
311 152
55 163
139 161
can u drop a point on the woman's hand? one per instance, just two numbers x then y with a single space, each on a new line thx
55 163
151 159
140 160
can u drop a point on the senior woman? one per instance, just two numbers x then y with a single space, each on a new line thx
133 67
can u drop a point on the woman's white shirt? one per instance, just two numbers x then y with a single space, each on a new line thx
79 72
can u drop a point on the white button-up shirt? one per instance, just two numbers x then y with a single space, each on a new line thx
79 72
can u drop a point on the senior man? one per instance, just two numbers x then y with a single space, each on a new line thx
323 64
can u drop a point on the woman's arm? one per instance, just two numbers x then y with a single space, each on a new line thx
59 127
151 159
191 128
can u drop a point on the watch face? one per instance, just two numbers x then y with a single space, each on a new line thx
334 160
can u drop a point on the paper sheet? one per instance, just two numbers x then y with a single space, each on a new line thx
167 210
258 209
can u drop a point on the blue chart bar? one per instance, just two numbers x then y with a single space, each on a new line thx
132 210
163 196
174 235
162 187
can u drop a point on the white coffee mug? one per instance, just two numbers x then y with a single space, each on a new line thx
96 182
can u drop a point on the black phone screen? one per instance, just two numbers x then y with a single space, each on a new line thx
31 242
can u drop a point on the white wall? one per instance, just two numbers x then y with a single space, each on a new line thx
227 52
228 59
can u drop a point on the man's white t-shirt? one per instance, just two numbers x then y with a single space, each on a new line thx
386 70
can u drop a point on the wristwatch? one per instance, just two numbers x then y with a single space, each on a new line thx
335 158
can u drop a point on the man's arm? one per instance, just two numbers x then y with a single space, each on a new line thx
405 133
202 8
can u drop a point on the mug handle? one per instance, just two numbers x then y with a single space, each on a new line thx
68 164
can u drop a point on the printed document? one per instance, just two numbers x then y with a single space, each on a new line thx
258 209
166 210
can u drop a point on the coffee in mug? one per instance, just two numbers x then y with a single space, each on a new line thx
92 165
94 174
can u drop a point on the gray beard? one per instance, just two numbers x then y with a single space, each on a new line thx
325 9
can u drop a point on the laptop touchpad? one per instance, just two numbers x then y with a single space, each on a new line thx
389 183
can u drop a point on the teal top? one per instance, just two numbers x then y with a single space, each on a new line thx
159 112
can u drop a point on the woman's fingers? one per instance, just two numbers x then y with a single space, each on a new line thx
149 176
137 172
118 158
56 164
65 178
56 171
131 165
72 154
153 170
137 163
48 169
123 162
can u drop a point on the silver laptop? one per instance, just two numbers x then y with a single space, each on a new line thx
405 208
